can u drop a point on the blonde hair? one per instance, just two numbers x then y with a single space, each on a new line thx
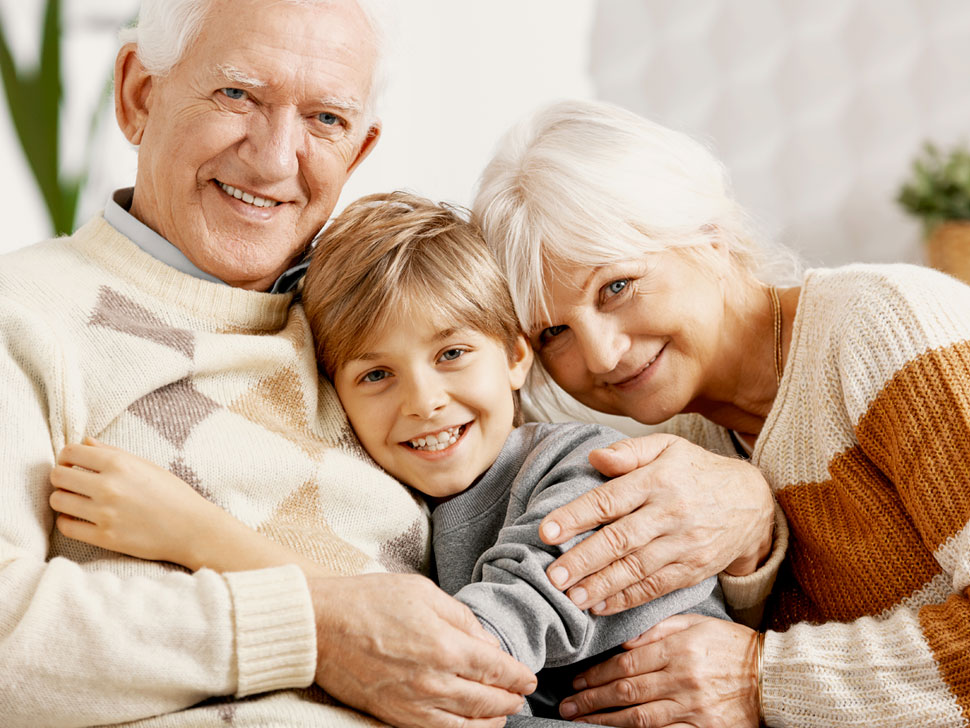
397 254
589 183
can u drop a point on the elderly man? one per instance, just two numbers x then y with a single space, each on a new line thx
153 328
166 326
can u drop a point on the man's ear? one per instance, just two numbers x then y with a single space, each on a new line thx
366 146
133 88
520 362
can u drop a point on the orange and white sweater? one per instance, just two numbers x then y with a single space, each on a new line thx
867 449
220 386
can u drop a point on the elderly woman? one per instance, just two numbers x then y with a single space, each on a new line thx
636 278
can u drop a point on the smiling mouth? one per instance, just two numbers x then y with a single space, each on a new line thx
635 377
438 440
247 197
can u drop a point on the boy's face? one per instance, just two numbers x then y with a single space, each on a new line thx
432 404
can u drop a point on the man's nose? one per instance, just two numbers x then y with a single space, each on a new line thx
274 144
424 394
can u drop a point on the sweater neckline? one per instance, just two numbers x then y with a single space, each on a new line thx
224 306
784 385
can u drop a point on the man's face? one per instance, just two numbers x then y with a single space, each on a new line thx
246 144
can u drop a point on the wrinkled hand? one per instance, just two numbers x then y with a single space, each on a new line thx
399 648
688 670
126 504
675 514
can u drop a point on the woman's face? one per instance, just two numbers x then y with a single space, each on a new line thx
636 338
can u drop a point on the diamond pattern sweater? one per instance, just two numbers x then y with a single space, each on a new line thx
220 386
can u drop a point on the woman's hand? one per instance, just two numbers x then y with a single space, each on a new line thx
117 501
688 670
675 514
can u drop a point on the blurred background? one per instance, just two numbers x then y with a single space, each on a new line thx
817 107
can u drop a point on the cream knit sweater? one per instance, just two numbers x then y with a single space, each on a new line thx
220 386
867 449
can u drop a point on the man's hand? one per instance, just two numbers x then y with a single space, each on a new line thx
399 648
674 513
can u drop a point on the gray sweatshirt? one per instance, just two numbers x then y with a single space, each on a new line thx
488 554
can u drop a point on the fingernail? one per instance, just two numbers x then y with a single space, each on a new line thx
579 596
558 576
568 710
579 683
551 530
599 607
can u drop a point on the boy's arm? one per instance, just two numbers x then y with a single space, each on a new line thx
117 501
512 596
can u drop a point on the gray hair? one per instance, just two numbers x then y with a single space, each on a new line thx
590 183
166 28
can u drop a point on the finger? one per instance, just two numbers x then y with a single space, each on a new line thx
483 661
92 442
601 587
621 692
605 554
84 456
664 628
635 662
624 456
77 529
77 481
640 716
72 504
472 700
603 504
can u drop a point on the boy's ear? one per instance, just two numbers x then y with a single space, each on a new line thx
520 362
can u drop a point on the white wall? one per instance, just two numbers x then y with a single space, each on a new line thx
816 106
464 71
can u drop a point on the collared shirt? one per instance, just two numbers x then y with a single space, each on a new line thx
116 214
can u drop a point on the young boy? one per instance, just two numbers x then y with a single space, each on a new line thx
415 328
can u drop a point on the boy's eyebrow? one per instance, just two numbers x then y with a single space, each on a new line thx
438 336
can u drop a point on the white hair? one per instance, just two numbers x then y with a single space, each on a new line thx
166 28
590 183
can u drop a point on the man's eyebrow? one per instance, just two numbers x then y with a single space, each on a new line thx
236 76
341 104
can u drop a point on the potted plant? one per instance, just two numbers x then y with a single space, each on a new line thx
938 193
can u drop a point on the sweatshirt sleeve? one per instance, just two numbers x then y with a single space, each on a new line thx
910 664
113 641
511 595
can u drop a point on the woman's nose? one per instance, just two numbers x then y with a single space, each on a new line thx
602 347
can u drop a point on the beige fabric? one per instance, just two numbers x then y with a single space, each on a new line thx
220 386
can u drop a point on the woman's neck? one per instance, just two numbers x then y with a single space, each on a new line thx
742 387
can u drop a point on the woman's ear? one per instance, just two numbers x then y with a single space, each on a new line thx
520 362
133 87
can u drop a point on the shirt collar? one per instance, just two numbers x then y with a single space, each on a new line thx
116 214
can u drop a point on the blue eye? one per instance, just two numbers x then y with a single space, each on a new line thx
329 119
617 286
452 354
375 376
234 93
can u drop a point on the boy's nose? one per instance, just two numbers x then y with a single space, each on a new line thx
424 397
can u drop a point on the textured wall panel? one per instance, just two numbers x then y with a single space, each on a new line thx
816 106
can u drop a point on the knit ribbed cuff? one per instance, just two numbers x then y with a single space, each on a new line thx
746 595
276 644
